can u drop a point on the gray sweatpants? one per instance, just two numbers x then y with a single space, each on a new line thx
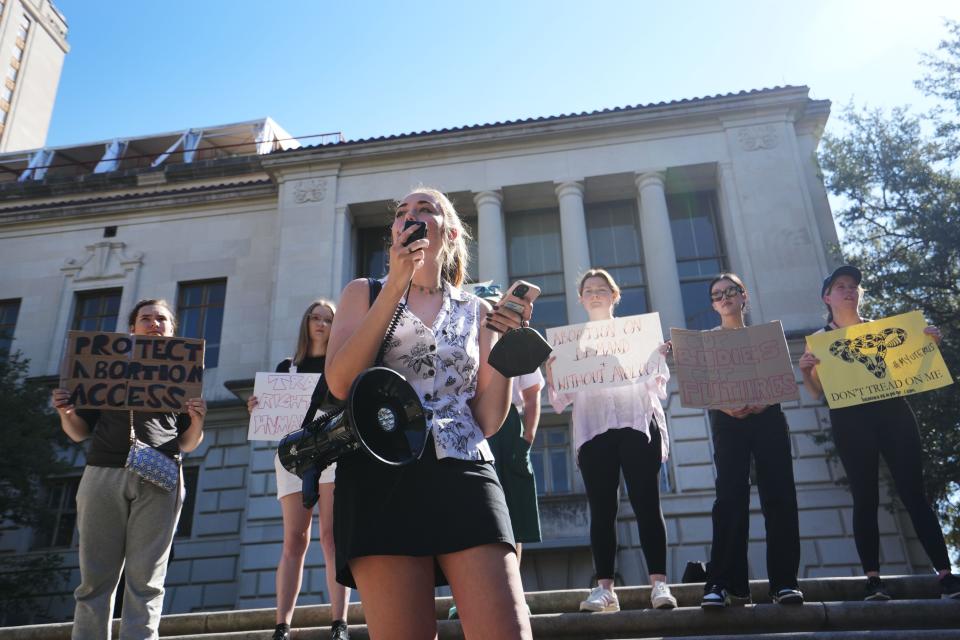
127 523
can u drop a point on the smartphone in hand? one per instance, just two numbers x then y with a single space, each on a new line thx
519 290
419 234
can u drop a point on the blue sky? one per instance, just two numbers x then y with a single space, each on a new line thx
376 68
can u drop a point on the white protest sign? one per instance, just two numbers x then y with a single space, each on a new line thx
605 353
282 401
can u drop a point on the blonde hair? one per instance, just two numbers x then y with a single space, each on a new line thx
303 336
599 273
453 255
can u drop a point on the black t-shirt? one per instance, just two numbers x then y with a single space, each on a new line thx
310 364
110 438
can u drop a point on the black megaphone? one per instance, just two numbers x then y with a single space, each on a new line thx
383 417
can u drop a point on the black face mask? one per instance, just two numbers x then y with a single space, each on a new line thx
519 352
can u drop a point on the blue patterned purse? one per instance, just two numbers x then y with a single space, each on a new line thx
152 465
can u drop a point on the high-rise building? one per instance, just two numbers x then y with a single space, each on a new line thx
33 43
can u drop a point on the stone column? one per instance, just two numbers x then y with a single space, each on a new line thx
576 249
491 238
659 256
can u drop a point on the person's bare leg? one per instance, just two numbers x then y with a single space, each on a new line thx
296 539
397 595
486 585
339 594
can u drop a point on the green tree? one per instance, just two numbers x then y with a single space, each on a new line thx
32 443
897 180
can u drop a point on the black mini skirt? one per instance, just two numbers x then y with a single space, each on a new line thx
427 508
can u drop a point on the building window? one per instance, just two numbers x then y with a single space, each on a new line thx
57 531
191 475
9 311
96 310
696 239
374 244
614 238
17 53
534 254
200 314
23 28
6 93
12 73
550 456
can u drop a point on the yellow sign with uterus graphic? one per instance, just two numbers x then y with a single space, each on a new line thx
876 360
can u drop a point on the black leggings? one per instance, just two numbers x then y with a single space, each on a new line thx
861 434
601 459
766 438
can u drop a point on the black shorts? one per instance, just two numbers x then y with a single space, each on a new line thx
424 509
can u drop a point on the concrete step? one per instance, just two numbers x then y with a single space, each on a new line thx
556 613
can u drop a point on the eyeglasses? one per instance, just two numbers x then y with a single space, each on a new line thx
729 292
320 319
601 292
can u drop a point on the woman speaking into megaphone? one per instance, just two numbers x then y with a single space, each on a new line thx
401 531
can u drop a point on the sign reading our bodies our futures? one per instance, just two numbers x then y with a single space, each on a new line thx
282 401
121 371
733 368
605 353
876 360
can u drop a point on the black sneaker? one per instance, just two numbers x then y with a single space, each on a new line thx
714 597
876 590
282 632
787 595
950 587
338 631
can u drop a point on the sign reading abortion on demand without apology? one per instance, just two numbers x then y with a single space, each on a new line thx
605 353
876 360
733 368
121 371
282 401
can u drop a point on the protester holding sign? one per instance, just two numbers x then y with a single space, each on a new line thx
864 432
310 357
401 531
620 428
124 522
739 433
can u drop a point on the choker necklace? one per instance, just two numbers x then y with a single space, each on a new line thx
427 290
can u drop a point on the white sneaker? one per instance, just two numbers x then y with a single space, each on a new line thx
661 598
601 600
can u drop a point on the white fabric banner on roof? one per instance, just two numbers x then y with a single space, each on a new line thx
166 154
266 137
191 140
111 156
37 166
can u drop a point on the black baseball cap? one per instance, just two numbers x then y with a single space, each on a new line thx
845 270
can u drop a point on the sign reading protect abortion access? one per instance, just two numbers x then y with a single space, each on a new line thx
282 401
876 360
104 370
605 353
733 368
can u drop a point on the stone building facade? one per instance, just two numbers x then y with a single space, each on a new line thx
663 195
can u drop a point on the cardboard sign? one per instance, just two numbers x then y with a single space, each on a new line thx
605 353
282 401
122 371
733 368
876 360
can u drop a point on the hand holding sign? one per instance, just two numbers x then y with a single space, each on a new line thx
870 361
104 370
604 353
279 403
739 371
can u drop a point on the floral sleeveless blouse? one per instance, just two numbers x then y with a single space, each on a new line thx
441 364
